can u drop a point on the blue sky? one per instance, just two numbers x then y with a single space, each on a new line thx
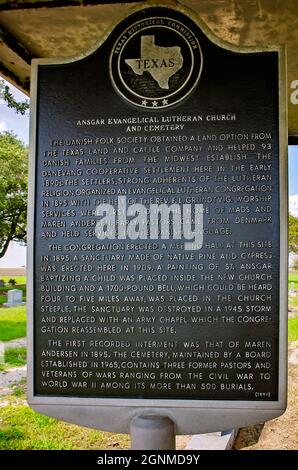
9 120
293 180
293 169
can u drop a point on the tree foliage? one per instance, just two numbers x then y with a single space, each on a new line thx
293 233
20 106
13 190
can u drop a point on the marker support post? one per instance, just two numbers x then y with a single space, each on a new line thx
152 432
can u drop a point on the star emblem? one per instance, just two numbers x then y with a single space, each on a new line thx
144 102
164 102
154 104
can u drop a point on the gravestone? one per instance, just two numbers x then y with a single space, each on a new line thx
161 113
292 291
14 298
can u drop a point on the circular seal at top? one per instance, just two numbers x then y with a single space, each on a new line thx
156 63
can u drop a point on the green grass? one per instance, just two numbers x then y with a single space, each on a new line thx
12 323
14 357
293 329
21 428
19 279
18 392
7 288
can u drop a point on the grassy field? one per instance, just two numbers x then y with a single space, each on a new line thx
20 280
22 428
293 277
293 329
293 302
12 323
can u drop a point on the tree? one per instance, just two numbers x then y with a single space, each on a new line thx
293 233
19 106
13 190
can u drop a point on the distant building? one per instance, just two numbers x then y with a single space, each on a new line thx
13 271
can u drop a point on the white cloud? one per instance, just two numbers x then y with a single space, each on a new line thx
3 126
293 204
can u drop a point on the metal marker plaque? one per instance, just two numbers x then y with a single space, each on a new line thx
161 118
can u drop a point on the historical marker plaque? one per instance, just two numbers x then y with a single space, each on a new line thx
160 114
